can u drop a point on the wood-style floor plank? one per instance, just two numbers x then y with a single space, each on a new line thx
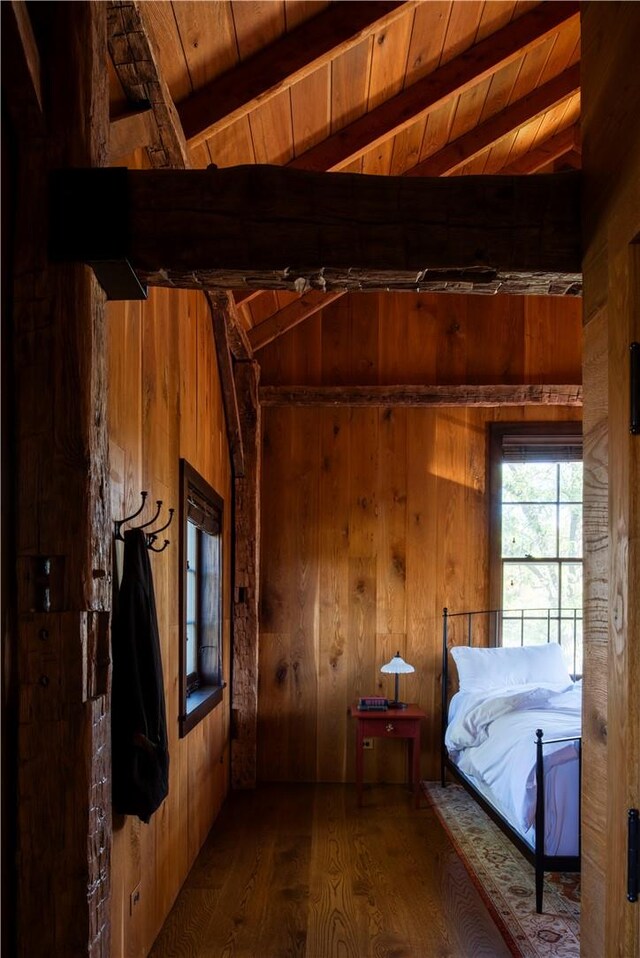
299 871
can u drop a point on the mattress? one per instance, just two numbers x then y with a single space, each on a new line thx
491 738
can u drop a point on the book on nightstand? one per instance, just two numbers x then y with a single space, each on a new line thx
373 703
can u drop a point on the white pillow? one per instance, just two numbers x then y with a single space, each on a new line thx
481 670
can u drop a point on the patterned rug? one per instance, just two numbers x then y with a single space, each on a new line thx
506 880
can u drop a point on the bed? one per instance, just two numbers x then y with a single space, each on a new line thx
511 729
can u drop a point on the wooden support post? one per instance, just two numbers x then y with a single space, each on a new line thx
63 522
244 695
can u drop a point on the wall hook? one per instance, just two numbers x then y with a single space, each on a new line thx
151 546
154 532
118 524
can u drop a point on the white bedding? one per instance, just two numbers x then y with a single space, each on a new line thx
491 738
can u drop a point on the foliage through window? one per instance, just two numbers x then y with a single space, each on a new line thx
201 588
537 533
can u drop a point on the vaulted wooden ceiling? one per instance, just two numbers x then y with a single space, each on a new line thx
425 88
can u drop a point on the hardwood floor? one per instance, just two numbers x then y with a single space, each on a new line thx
299 871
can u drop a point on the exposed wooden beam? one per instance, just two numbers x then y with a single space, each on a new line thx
493 395
284 228
481 137
131 131
460 74
278 66
21 70
239 344
227 385
548 151
242 297
62 519
244 691
136 65
290 316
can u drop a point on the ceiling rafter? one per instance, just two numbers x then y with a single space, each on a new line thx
448 80
551 149
455 77
284 62
288 317
513 117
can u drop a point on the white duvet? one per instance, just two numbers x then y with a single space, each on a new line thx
491 738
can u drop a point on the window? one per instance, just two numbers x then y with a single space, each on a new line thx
201 525
536 567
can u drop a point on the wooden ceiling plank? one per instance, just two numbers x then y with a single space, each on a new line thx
311 109
207 37
282 63
553 148
484 396
424 96
136 65
290 316
479 139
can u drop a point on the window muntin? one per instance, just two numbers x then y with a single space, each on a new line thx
201 590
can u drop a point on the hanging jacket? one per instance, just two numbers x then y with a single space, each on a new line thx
140 759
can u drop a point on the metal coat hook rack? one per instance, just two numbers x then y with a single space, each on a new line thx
152 535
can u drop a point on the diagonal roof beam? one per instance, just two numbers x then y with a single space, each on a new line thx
518 114
290 316
548 151
289 59
136 65
460 74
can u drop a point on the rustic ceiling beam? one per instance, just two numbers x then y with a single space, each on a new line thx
460 74
518 114
239 344
290 229
227 382
278 66
490 395
548 151
290 316
136 64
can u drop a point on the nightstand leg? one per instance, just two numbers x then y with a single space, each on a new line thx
359 762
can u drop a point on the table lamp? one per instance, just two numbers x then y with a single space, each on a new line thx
397 666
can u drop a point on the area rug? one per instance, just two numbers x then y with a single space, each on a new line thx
506 880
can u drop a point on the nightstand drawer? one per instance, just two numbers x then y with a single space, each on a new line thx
390 728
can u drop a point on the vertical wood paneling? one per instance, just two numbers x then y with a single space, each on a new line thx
333 598
165 402
396 508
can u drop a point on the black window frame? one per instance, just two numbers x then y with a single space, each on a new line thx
202 507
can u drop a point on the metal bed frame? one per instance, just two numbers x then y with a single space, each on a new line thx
536 856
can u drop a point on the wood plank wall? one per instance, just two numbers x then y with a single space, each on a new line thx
611 235
164 403
374 519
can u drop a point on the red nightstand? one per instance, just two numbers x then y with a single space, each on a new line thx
392 723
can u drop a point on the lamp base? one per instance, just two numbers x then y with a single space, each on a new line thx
397 705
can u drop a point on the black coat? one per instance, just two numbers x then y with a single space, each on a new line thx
138 718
